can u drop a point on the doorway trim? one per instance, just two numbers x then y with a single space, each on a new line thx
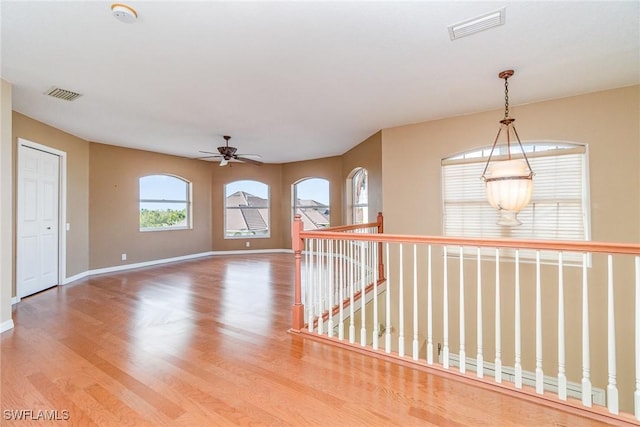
62 208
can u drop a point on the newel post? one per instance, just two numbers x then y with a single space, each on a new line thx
297 309
380 221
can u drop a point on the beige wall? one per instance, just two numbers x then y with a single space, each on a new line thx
368 155
269 174
102 197
77 184
114 212
6 211
608 123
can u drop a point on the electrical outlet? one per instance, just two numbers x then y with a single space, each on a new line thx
248 244
124 257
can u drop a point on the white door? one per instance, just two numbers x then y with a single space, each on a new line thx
38 217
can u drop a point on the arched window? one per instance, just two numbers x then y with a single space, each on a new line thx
359 197
559 208
246 213
311 202
165 203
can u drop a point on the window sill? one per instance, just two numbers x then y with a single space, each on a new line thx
152 229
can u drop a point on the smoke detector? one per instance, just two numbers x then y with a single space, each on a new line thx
124 13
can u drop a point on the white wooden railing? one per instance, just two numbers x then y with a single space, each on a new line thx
445 299
335 275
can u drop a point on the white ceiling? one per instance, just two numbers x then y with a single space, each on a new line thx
299 80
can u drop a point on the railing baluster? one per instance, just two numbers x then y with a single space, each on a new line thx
539 373
429 311
463 355
376 321
379 229
331 283
321 267
310 288
363 296
498 358
352 326
416 348
562 378
341 261
401 306
518 340
586 373
612 388
636 394
387 329
370 265
445 313
480 351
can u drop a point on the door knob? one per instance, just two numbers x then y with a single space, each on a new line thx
48 228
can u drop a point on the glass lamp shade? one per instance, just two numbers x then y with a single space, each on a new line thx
509 188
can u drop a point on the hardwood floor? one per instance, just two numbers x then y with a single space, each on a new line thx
205 342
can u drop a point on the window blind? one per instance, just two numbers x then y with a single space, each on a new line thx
558 208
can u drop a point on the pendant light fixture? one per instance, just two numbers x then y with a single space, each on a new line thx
509 181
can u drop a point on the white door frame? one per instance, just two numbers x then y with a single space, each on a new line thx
62 208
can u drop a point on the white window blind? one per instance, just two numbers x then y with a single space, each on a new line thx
559 205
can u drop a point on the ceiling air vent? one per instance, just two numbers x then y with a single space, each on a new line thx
477 24
67 95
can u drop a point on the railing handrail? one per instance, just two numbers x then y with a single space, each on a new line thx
351 227
553 245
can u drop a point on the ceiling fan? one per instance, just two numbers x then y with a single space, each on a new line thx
227 153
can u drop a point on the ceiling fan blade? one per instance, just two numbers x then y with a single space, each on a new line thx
250 161
209 152
206 157
224 162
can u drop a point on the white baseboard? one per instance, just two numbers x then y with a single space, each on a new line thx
6 325
76 277
117 268
253 251
574 389
146 263
15 300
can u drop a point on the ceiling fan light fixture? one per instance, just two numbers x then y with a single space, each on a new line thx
227 154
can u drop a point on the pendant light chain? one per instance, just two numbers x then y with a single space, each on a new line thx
506 97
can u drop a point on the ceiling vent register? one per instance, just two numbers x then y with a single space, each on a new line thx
477 24
67 95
